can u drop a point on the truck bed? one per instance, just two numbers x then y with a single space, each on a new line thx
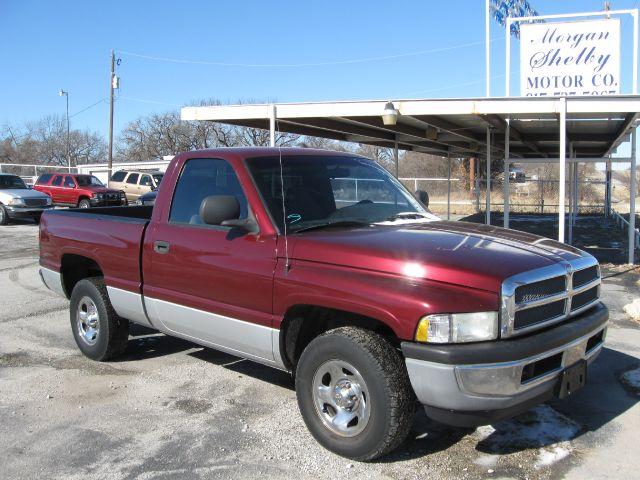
111 236
136 214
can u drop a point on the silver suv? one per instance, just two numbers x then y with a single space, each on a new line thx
19 201
135 183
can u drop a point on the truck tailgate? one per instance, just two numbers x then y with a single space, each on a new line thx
112 241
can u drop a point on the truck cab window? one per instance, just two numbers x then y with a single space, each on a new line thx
57 181
132 178
145 181
201 178
68 182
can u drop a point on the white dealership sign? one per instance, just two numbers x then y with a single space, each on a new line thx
571 58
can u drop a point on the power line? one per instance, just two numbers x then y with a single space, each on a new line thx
87 108
295 65
465 84
142 100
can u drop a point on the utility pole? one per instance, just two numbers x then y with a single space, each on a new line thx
113 84
65 94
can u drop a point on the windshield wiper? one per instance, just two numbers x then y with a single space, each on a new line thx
340 223
406 215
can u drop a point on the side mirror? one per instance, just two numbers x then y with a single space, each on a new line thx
423 197
216 209
224 210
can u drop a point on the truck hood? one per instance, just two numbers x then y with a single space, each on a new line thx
461 253
6 195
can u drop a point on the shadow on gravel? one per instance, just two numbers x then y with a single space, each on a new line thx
602 400
426 437
246 367
145 343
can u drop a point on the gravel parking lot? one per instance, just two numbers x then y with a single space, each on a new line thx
170 409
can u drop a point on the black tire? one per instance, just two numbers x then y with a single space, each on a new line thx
4 216
84 203
111 337
390 397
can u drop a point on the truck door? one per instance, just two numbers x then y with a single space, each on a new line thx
207 282
56 189
68 192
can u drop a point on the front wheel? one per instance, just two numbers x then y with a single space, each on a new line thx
354 393
84 203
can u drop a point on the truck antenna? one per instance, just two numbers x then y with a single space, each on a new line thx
284 215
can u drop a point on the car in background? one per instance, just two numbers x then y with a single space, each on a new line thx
135 183
148 199
78 190
19 201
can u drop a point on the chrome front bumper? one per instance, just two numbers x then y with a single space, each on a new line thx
463 382
505 379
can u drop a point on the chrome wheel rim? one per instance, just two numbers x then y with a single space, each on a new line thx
1 214
341 398
84 205
88 321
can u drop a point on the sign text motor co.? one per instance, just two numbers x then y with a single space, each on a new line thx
576 58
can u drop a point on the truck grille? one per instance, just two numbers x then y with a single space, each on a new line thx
538 298
35 202
538 290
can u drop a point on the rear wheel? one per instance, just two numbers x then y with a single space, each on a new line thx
4 216
84 203
354 393
98 330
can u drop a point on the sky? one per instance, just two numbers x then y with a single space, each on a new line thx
438 48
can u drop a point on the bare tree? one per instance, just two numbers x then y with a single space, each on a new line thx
44 141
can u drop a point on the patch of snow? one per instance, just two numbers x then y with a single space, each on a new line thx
542 428
633 309
547 457
539 427
632 379
484 431
487 460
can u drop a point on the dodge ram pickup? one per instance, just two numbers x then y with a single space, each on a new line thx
322 264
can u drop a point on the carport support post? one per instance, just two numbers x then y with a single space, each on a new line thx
477 184
505 193
563 166
395 157
576 190
571 167
449 186
607 192
632 198
272 125
487 219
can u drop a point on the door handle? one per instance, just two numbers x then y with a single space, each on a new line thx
161 246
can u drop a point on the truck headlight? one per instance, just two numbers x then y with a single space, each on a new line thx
48 200
458 327
18 202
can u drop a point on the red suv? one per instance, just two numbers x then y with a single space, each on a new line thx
75 190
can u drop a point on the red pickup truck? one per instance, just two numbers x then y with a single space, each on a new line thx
78 190
322 264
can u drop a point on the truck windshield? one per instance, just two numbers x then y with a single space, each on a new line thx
88 181
11 182
330 190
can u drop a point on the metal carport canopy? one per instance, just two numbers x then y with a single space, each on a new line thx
515 129
595 125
